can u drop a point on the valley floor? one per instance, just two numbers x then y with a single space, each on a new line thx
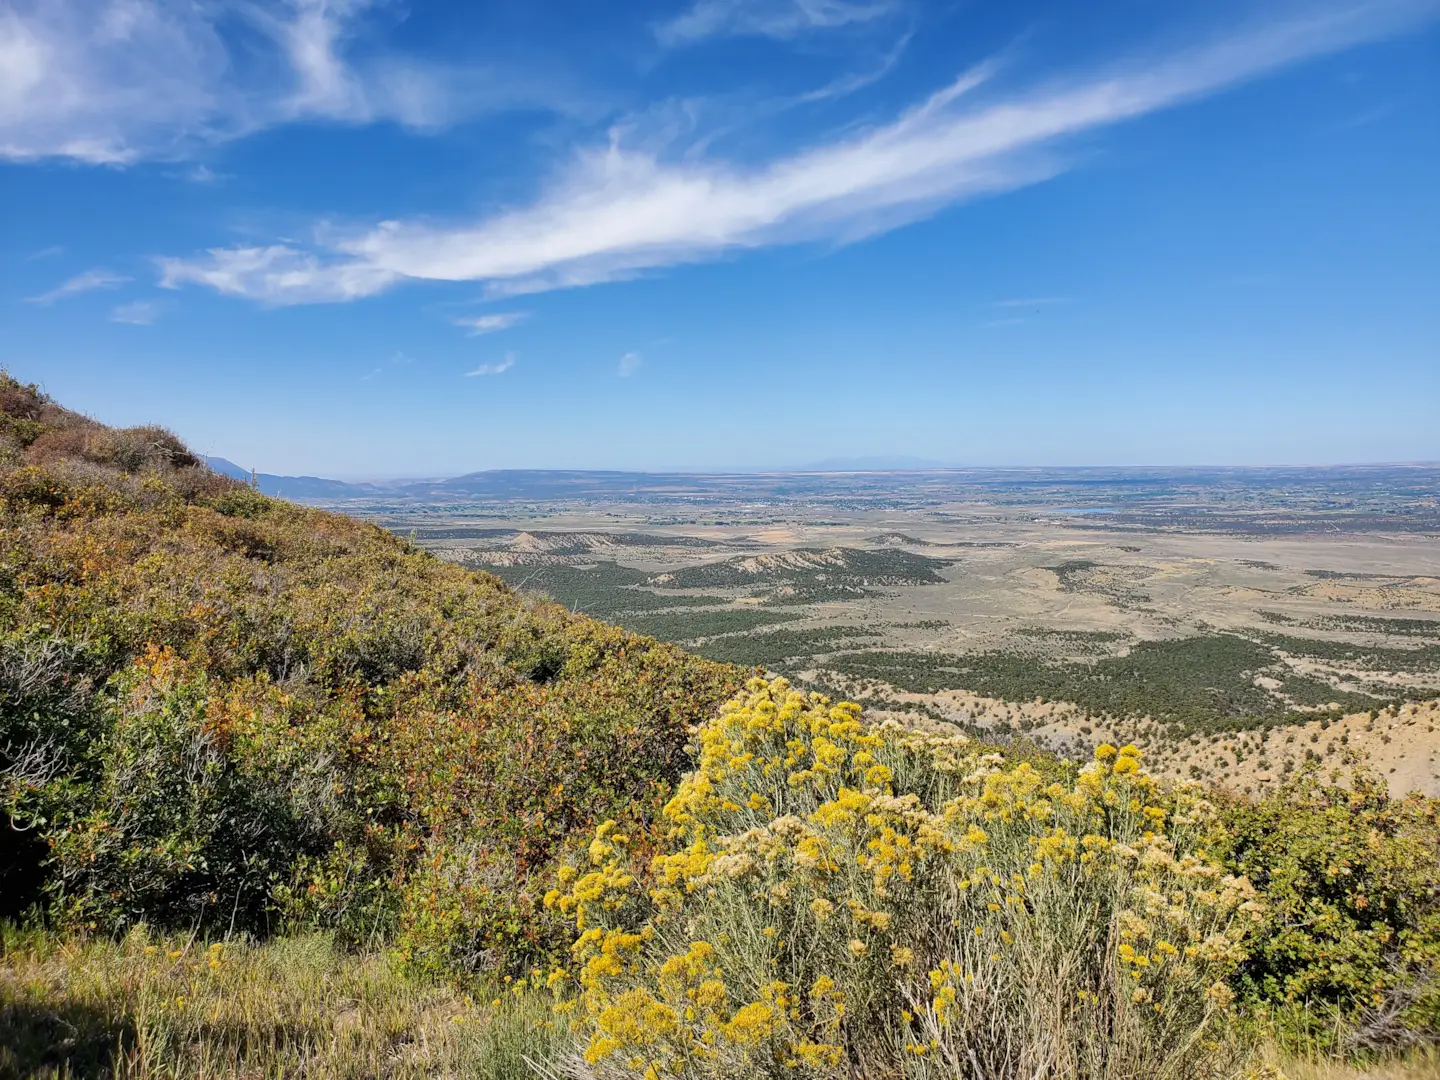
1235 634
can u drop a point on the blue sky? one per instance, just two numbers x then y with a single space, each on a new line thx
379 239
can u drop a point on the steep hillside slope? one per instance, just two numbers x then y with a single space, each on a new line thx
224 709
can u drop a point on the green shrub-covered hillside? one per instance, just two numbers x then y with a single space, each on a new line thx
224 710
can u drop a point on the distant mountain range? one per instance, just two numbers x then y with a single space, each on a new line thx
518 483
295 487
881 463
539 483
1410 488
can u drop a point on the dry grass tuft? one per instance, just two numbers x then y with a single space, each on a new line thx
185 1009
1421 1065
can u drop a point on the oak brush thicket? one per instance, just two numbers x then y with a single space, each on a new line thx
224 711
285 795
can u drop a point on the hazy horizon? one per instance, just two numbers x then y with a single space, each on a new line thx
838 468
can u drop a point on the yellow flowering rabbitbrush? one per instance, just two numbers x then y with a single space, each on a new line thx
840 898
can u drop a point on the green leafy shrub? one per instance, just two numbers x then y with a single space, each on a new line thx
1351 876
185 818
222 709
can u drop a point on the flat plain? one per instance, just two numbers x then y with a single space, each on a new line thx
1235 623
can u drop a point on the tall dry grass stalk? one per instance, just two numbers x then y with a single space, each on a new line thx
143 1009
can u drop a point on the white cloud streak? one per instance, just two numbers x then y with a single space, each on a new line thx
109 82
89 281
494 369
849 84
764 18
630 363
489 324
617 212
137 313
87 80
1032 301
277 274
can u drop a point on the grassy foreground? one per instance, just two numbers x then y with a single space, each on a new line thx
149 1007
173 1007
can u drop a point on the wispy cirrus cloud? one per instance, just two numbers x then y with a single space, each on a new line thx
89 281
849 84
629 364
109 82
498 368
1031 302
136 313
765 18
277 274
618 212
490 324
202 174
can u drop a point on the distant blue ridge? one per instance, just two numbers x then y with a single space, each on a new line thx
293 487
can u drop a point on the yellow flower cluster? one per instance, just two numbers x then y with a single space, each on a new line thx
602 890
772 740
927 893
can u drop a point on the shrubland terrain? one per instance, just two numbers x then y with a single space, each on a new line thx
288 794
1234 623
